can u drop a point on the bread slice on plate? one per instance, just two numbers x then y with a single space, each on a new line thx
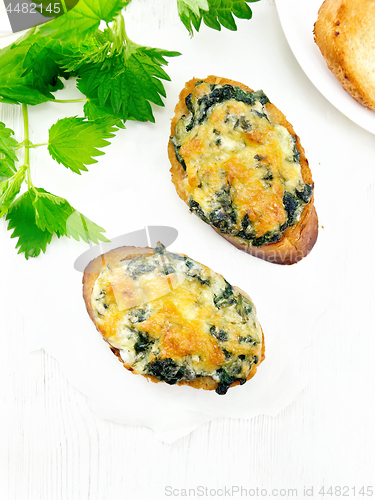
239 166
345 34
172 319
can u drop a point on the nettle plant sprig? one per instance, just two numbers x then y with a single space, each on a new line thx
119 80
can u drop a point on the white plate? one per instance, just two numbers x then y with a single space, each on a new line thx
297 20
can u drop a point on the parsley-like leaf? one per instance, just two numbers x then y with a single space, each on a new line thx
9 190
21 216
74 141
215 13
83 20
8 157
128 82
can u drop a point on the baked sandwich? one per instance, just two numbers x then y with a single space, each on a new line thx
239 166
171 319
345 34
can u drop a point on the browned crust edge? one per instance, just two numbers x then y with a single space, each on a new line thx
327 28
90 275
298 240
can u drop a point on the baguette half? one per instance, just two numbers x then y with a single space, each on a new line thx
345 34
171 319
297 240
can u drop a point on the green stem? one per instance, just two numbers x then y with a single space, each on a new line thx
21 145
64 6
30 144
120 25
65 101
25 115
119 35
26 142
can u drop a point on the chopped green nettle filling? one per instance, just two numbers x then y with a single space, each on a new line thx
206 306
219 192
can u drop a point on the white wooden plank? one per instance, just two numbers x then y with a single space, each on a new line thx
54 448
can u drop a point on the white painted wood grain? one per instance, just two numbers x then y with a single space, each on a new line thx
52 447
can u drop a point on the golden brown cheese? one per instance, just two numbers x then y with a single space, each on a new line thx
175 319
228 144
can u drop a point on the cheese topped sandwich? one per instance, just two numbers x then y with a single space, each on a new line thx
172 319
239 166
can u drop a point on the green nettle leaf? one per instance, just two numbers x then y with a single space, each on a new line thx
14 87
214 13
83 20
8 157
36 215
51 211
5 170
93 111
190 13
21 216
9 190
193 5
48 59
80 227
56 215
128 82
70 56
74 141
41 63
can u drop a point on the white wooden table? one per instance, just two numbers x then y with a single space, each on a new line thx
54 448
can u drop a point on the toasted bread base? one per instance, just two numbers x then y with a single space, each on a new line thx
344 32
298 240
90 276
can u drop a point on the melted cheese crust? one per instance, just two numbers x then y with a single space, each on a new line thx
236 145
169 307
